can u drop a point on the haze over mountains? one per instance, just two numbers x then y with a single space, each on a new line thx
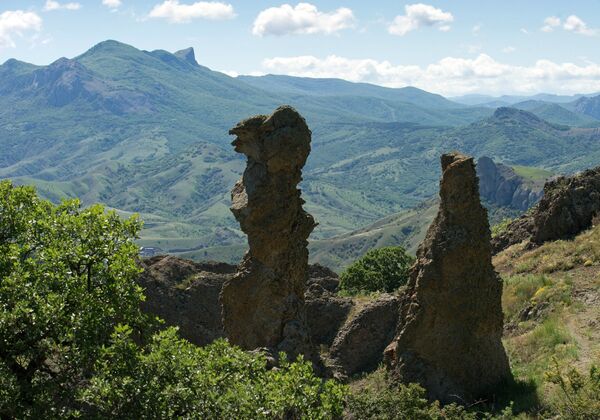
147 132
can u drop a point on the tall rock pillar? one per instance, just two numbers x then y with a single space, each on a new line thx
449 337
263 305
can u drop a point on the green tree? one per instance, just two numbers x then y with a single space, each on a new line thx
66 280
74 342
379 270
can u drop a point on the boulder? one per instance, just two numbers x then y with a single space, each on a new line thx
263 304
359 345
325 312
450 329
186 294
568 207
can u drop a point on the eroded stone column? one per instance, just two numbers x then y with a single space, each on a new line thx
449 337
263 305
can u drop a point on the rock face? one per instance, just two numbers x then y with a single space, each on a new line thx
325 311
359 345
186 294
569 206
263 304
449 337
500 185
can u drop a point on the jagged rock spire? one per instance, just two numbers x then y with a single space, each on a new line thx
449 337
263 305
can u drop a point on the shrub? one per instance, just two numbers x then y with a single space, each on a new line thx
66 279
172 378
379 270
579 396
74 342
402 402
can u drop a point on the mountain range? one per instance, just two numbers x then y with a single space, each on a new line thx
146 132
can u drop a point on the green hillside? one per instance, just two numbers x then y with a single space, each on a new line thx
147 132
557 114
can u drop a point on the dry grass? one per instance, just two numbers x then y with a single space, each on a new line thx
583 251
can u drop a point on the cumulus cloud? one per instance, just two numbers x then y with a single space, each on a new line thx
575 24
304 18
112 4
550 23
17 23
54 5
176 12
419 15
509 49
572 24
448 76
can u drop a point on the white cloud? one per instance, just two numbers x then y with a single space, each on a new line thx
54 5
550 23
176 12
450 75
476 29
304 18
17 22
112 4
575 24
419 15
509 49
572 24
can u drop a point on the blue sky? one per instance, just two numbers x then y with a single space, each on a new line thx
449 47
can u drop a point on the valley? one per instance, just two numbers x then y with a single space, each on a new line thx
151 138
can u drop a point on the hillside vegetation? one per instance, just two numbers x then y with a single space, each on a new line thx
146 132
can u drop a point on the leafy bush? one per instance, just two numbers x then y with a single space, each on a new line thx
579 396
409 402
501 227
172 378
66 279
74 342
379 270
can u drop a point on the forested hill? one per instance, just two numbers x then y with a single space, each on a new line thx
146 131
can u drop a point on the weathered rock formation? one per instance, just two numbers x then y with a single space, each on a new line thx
449 337
358 346
263 304
500 185
569 206
325 311
186 294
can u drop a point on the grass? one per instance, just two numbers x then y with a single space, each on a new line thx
530 354
532 173
563 255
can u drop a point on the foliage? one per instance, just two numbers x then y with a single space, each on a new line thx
66 279
172 378
579 397
379 270
501 227
75 343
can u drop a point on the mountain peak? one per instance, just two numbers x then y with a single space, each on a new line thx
504 112
110 46
188 55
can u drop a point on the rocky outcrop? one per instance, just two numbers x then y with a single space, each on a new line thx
186 294
449 337
359 345
263 304
568 207
500 185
